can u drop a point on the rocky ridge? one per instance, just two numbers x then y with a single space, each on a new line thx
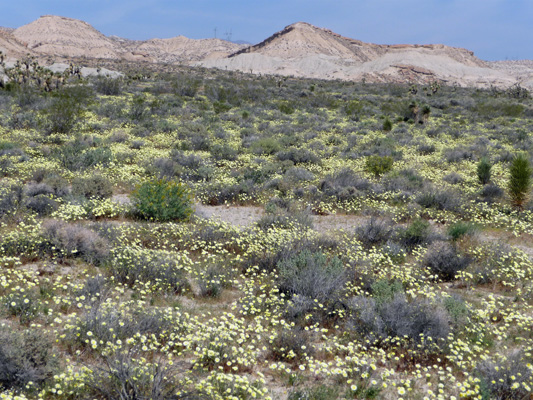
300 49
304 50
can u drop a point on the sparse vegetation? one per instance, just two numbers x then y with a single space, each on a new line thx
377 254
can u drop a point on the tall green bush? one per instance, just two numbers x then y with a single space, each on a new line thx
163 200
379 165
520 180
484 171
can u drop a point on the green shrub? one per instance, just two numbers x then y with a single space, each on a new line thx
286 108
379 165
387 125
415 234
221 107
460 229
520 180
66 109
108 86
484 171
163 200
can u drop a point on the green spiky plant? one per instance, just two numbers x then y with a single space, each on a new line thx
520 180
484 171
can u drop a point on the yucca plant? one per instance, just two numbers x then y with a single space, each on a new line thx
520 180
484 171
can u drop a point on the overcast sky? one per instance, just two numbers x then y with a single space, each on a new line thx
493 29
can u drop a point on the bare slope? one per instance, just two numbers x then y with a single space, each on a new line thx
183 49
67 37
10 46
60 36
304 50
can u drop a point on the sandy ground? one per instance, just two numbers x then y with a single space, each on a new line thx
245 216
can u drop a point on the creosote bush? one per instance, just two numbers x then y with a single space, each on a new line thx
379 165
163 200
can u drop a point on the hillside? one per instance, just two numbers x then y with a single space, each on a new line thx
66 37
183 49
59 36
300 50
304 50
10 46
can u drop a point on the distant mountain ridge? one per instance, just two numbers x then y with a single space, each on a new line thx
67 37
299 49
302 49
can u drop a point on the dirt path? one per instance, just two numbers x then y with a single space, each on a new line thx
244 216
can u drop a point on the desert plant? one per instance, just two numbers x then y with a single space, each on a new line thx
307 278
25 356
484 171
415 234
132 266
491 192
126 375
504 380
520 180
66 109
94 186
290 345
442 260
460 229
439 199
387 125
66 240
11 196
321 392
23 304
415 320
379 165
163 200
41 204
210 282
108 86
374 232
